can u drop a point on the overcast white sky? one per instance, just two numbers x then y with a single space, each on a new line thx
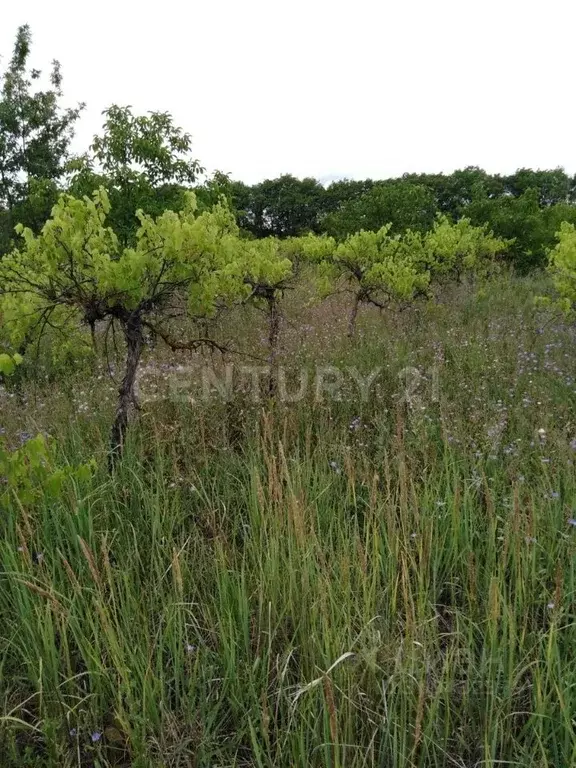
356 88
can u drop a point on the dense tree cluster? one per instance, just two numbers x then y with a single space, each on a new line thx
526 207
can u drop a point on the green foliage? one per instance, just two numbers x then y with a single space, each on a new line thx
521 219
454 192
401 205
283 207
30 473
343 191
144 163
562 267
525 208
216 189
8 363
144 145
35 136
552 187
379 263
452 250
269 267
266 263
383 268
76 271
378 268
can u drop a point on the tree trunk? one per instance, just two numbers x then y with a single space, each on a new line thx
132 328
274 318
92 324
353 316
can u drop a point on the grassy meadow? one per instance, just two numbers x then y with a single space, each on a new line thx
340 581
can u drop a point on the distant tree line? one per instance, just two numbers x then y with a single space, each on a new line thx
527 206
145 162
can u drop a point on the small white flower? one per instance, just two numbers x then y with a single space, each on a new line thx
355 424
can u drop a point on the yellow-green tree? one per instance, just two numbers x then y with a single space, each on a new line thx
562 267
269 268
373 266
452 250
76 272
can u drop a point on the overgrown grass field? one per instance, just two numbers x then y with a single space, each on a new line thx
329 582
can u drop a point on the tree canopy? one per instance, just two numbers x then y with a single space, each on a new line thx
77 271
143 161
35 136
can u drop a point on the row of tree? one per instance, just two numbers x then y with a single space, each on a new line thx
526 207
192 264
145 163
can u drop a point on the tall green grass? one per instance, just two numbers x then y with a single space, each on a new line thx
334 584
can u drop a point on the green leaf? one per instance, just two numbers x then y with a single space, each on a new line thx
7 365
